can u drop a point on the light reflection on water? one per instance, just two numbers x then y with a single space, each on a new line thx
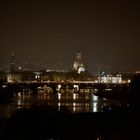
73 102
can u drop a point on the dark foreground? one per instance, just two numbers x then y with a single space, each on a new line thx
49 124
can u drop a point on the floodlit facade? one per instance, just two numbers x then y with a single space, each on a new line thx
78 64
110 79
11 78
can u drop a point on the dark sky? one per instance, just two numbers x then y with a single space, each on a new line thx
50 32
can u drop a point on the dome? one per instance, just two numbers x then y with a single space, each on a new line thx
81 69
76 65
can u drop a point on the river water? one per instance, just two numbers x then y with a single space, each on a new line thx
68 101
82 116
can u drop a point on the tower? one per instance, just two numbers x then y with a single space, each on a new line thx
12 62
78 64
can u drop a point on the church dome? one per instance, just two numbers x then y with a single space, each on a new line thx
81 69
78 64
75 65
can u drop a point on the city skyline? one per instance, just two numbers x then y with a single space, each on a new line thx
14 64
50 33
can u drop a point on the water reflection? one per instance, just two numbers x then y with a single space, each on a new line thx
74 102
70 100
59 96
74 107
95 107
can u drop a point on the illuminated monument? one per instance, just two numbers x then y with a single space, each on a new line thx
78 64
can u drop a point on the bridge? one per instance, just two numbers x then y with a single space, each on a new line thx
55 85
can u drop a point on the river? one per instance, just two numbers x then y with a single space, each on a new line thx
68 101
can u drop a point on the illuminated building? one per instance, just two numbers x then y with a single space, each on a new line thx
78 64
14 77
110 79
38 75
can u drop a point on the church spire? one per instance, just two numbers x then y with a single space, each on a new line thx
12 62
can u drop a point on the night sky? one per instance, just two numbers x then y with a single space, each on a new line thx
51 32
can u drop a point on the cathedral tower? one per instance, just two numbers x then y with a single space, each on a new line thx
12 62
